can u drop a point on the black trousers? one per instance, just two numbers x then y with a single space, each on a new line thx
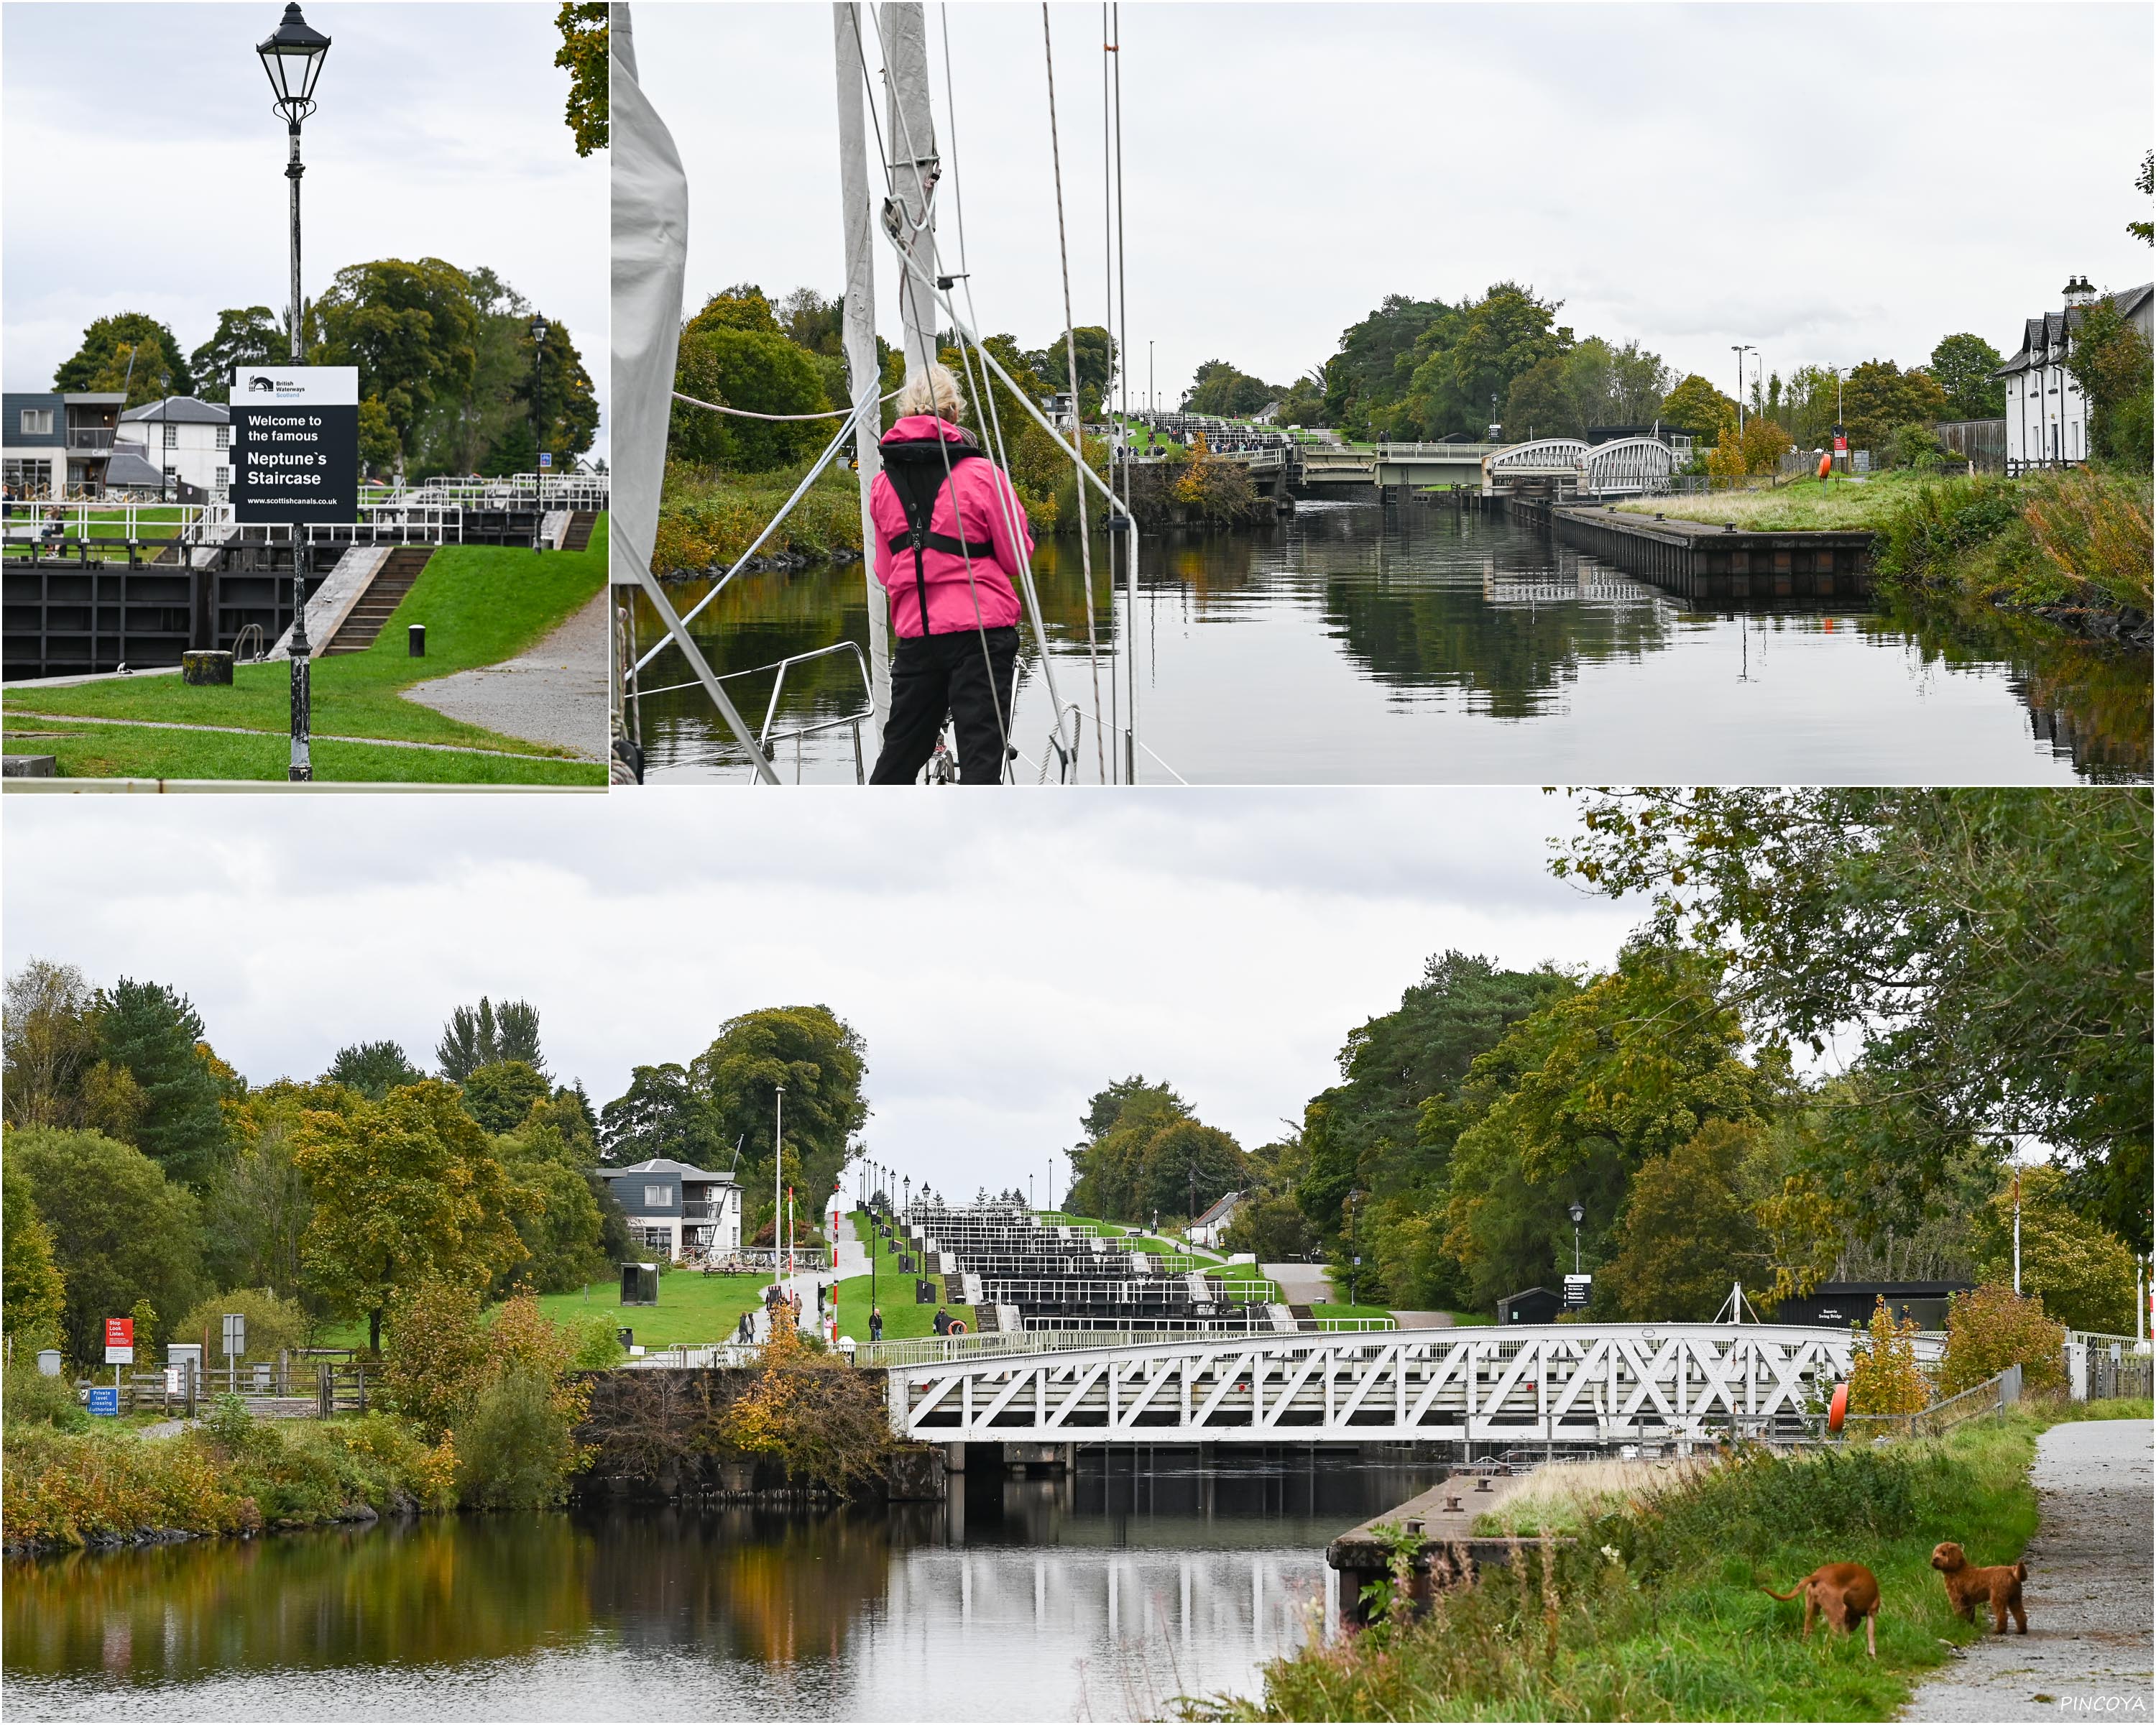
935 675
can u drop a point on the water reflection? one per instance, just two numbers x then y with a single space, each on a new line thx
1104 1595
1422 646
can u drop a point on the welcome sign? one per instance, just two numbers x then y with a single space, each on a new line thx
295 444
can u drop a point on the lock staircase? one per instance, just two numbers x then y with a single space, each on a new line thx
364 621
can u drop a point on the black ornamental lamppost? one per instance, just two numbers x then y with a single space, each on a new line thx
538 444
293 56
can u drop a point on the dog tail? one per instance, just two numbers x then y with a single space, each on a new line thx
2021 1571
1772 1594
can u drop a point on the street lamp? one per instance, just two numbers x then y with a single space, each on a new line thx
1740 349
1578 1213
538 444
292 56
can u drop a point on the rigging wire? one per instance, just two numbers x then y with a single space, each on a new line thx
1108 272
1123 307
744 414
1077 417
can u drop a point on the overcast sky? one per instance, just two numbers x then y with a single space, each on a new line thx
1832 183
1001 965
144 168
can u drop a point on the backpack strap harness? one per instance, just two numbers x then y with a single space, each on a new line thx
918 468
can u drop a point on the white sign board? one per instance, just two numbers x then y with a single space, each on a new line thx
235 1334
294 443
120 1356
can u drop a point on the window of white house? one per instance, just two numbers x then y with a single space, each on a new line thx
224 475
36 421
224 437
172 436
657 1198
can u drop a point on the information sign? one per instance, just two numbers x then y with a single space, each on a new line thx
295 444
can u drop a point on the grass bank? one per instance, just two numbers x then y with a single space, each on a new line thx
230 1475
480 604
708 517
1820 506
1655 1611
893 1290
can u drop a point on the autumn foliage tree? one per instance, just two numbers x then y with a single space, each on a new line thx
404 1188
1884 1376
1992 1327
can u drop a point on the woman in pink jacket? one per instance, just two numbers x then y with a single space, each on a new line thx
952 543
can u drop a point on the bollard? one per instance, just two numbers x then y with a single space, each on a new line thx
415 640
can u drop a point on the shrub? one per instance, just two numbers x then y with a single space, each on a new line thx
33 1398
437 1354
595 1346
825 1420
272 1323
1885 1377
1992 1327
514 1448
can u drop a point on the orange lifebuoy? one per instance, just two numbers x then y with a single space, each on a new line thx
1826 465
1837 1410
958 1326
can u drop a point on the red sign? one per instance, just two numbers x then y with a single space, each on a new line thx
1841 446
120 1333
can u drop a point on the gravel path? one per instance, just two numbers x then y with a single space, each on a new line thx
2087 1654
556 693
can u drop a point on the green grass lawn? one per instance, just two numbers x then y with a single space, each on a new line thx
1658 1614
692 1307
481 604
894 1292
1838 505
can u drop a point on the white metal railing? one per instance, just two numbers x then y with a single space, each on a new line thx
1546 1383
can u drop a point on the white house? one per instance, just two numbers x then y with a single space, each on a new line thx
1207 1229
180 439
2047 415
683 1212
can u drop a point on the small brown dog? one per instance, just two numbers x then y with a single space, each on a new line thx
1839 1593
1966 1584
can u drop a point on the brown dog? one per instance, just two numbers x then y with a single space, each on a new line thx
1840 1593
1966 1584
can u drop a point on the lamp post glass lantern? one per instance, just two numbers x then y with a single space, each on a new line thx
292 56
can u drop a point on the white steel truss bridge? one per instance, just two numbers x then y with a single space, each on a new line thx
1568 1383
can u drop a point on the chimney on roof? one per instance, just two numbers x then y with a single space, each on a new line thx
2079 293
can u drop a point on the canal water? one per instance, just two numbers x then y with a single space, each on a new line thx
1103 1595
1356 645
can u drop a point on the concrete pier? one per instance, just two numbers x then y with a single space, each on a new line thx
1705 560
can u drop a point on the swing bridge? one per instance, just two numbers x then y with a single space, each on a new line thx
1579 1385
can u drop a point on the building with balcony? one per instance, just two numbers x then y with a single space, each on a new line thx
182 441
55 446
683 1212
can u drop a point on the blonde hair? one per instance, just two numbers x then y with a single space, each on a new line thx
933 391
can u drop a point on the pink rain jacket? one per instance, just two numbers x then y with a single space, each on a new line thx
986 510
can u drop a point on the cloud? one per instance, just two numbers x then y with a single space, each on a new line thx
1001 961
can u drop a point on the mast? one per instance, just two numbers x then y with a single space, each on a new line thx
914 170
863 375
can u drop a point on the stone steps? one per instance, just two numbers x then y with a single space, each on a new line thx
384 595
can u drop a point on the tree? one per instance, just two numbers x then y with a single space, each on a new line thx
480 1036
1132 1098
1880 397
663 1113
759 372
256 1212
744 307
1467 359
49 1033
378 449
1691 1229
2110 359
1965 366
1573 1099
273 1323
121 1231
412 329
567 404
820 1060
1188 1165
557 1217
373 1068
1989 948
1991 1328
2145 183
250 336
130 351
2082 1272
404 1188
1697 406
154 1033
500 1094
809 321
33 1292
1272 1228
1304 403
583 55
1884 1376
1096 350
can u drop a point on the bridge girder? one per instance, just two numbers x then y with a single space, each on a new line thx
1564 1384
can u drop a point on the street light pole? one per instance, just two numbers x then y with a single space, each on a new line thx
538 436
292 56
1740 349
777 1165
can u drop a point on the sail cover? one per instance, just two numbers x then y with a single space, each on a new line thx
651 253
